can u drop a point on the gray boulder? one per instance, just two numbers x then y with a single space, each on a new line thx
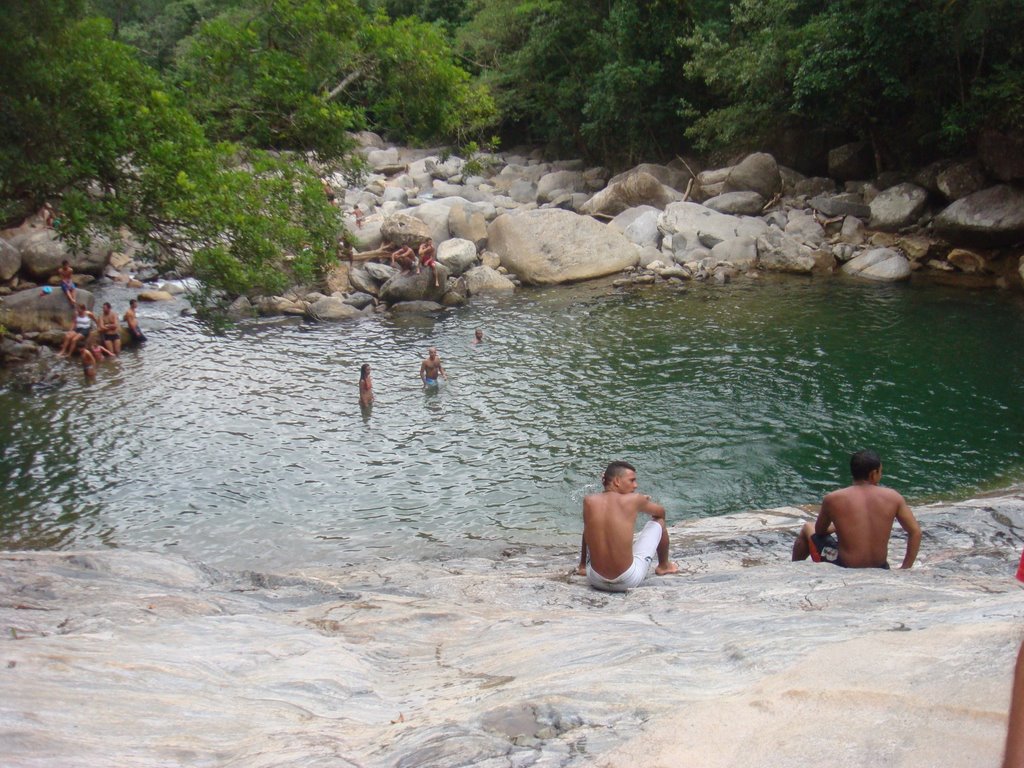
434 216
634 190
396 194
34 310
880 264
360 300
737 203
10 260
804 228
643 230
361 279
483 280
416 287
814 186
416 307
961 179
468 223
333 308
553 184
406 229
676 178
523 191
42 253
992 217
739 252
852 231
380 273
778 252
693 225
846 204
551 246
755 173
457 255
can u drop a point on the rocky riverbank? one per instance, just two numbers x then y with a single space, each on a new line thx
129 658
501 221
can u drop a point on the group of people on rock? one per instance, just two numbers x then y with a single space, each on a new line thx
408 260
82 336
431 372
852 528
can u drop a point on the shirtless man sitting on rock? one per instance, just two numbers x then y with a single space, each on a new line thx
861 517
615 562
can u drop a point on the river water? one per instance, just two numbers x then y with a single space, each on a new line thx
249 449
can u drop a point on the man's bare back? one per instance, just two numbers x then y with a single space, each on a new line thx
608 522
862 517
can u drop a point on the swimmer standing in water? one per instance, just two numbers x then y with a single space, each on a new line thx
365 386
431 369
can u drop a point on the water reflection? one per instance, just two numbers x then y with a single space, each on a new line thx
250 449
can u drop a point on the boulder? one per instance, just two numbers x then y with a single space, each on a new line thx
382 159
692 225
898 207
557 182
416 307
396 194
434 216
755 173
737 203
852 231
1002 154
457 255
643 230
992 217
416 287
961 179
337 280
151 295
846 204
333 308
483 280
676 178
468 223
10 260
380 273
967 261
804 228
523 191
35 310
360 300
552 246
406 229
42 253
360 279
778 252
740 252
634 190
851 161
814 186
880 264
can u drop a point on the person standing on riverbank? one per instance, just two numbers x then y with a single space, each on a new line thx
609 557
861 517
365 386
431 369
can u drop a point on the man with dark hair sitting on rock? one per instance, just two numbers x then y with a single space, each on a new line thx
861 517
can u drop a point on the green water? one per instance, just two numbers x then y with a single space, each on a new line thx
250 450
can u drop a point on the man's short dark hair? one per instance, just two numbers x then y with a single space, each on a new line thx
863 463
615 469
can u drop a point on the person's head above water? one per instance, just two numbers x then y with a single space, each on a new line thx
863 463
479 334
364 372
614 470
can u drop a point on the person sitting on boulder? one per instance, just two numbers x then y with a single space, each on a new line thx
67 282
427 258
79 331
406 258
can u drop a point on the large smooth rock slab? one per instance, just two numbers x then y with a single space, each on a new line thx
693 225
737 203
32 310
549 246
467 222
881 264
755 173
992 217
515 661
42 252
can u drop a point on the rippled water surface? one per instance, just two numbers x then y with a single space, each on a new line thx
250 449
